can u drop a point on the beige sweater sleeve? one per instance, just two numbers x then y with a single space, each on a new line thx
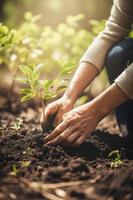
117 27
125 81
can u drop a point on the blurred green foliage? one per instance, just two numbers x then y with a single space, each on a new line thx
59 43
62 41
32 43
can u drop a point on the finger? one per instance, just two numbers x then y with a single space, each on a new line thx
60 128
79 141
65 115
49 113
71 139
60 138
57 120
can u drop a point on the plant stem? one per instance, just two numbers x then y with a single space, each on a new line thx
43 110
43 116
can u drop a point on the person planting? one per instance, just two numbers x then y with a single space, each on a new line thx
110 49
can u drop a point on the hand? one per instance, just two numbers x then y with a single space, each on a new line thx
81 121
76 126
54 112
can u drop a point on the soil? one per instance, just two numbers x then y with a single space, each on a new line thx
30 169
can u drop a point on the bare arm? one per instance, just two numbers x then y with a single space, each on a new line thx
84 75
81 121
109 99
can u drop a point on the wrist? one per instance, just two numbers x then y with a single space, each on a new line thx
107 101
67 100
97 109
70 96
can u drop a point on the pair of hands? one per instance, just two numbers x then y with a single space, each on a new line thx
73 125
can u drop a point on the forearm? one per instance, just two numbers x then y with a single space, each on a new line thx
85 74
107 101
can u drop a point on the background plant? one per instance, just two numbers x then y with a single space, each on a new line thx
33 43
117 161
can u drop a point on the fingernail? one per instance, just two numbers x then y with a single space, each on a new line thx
48 143
45 140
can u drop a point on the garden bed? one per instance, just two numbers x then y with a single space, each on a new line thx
29 169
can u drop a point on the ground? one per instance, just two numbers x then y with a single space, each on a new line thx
29 169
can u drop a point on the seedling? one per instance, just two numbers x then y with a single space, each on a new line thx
117 162
43 90
15 171
17 124
25 163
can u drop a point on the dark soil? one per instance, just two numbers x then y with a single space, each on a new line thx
25 159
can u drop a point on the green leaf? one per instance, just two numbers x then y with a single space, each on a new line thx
114 152
35 84
47 84
25 163
61 88
28 97
67 69
48 96
26 70
25 91
21 79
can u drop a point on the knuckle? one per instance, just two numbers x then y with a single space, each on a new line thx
57 130
69 141
73 119
68 121
63 135
61 139
78 143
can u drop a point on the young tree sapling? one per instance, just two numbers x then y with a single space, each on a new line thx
43 90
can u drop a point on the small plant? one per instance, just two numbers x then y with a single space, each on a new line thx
15 171
43 90
17 124
25 163
117 162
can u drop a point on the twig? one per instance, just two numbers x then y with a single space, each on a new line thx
48 195
43 109
37 187
53 185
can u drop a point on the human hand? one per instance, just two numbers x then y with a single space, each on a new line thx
76 126
54 112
